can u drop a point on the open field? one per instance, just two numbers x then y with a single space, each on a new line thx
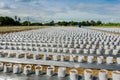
9 29
19 28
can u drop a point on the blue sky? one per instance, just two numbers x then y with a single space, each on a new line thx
59 10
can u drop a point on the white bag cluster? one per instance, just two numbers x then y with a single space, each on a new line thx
77 43
114 30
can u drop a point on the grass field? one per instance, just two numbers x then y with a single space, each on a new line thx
19 28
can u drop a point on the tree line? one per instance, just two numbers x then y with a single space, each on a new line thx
16 21
8 21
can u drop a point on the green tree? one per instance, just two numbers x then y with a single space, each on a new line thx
84 23
26 23
63 23
98 23
4 21
16 18
51 23
92 22
19 19
36 24
72 23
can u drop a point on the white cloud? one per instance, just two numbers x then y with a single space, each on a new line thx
2 5
6 6
45 10
4 12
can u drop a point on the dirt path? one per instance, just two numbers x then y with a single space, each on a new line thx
6 29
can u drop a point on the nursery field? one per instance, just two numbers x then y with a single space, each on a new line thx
60 52
8 29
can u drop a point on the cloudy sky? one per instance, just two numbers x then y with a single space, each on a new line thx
59 10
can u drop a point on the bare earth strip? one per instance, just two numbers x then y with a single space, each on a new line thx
19 28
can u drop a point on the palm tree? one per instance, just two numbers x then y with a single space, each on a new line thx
16 18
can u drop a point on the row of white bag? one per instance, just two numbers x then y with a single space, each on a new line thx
98 51
90 59
50 71
115 30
